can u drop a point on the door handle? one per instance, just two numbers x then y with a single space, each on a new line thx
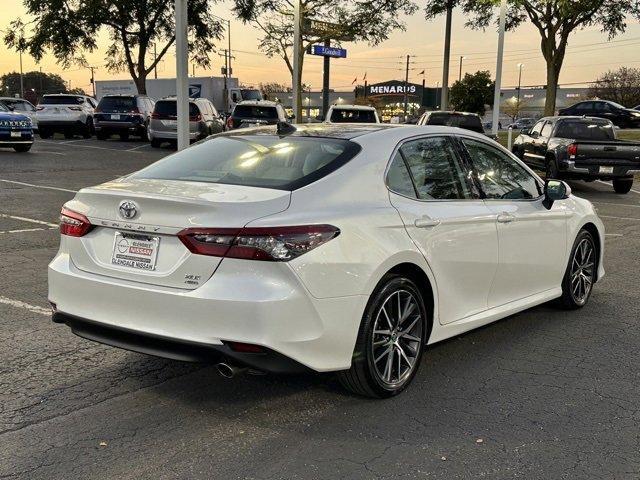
426 222
505 218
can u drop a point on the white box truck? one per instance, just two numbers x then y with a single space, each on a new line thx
211 88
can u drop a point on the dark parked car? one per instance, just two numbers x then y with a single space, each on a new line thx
619 115
468 121
123 115
204 120
580 148
252 113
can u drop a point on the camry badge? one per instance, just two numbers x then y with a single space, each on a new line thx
128 209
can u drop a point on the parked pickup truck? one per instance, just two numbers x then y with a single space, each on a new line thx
579 148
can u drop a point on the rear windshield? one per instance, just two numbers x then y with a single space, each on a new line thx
169 108
352 116
255 160
250 94
62 100
254 111
117 104
469 122
585 130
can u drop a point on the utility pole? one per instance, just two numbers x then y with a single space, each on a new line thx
41 87
226 80
93 81
444 96
462 57
297 60
229 39
182 74
155 58
21 77
496 93
325 81
406 87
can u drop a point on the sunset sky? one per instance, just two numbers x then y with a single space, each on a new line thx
588 55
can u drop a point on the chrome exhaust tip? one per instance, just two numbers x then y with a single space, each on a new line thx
229 371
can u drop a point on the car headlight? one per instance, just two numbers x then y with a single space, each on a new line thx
635 114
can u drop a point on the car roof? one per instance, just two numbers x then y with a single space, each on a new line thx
348 131
451 112
260 103
352 107
572 117
65 95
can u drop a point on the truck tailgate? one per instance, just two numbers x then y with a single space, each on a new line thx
616 153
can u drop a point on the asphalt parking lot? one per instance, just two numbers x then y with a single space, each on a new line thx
545 394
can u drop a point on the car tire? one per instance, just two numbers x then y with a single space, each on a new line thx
551 169
579 277
100 135
622 185
144 132
22 148
45 133
68 134
87 130
388 329
124 136
156 142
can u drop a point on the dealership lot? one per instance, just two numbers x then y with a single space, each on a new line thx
543 394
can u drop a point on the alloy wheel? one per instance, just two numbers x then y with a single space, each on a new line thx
582 271
397 338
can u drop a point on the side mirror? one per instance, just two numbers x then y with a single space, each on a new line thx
534 135
555 190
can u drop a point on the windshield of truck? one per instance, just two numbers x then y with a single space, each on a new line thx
585 130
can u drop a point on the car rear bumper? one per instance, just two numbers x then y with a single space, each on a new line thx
260 303
75 122
6 140
102 125
592 169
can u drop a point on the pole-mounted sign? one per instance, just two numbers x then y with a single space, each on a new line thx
324 51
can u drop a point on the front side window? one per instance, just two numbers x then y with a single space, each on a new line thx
435 169
254 160
499 175
584 107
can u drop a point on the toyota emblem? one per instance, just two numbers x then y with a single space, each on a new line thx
128 209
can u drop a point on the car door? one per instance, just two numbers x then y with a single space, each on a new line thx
530 154
452 227
532 239
541 143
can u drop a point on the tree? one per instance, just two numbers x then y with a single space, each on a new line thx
270 89
621 86
512 107
360 20
69 28
38 82
555 21
473 92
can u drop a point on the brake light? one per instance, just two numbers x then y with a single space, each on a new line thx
271 244
230 123
74 224
135 110
572 150
195 118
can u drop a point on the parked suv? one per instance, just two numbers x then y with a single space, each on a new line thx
465 120
123 115
616 113
67 114
253 113
23 107
15 130
352 114
204 120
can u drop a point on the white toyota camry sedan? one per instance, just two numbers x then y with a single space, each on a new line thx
345 248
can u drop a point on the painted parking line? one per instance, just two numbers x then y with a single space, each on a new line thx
49 153
620 218
29 220
614 235
615 204
27 230
25 306
90 146
38 186
138 148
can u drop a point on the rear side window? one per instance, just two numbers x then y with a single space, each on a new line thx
62 100
585 130
117 104
168 108
435 169
255 111
352 116
399 179
257 161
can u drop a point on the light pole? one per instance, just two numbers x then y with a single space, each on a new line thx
462 57
297 60
520 65
444 96
496 93
182 74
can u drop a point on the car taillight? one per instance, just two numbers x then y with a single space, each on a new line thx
135 110
272 244
230 123
572 150
74 224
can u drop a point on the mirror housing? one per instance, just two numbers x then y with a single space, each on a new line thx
534 135
555 190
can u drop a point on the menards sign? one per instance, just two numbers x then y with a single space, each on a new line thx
394 88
